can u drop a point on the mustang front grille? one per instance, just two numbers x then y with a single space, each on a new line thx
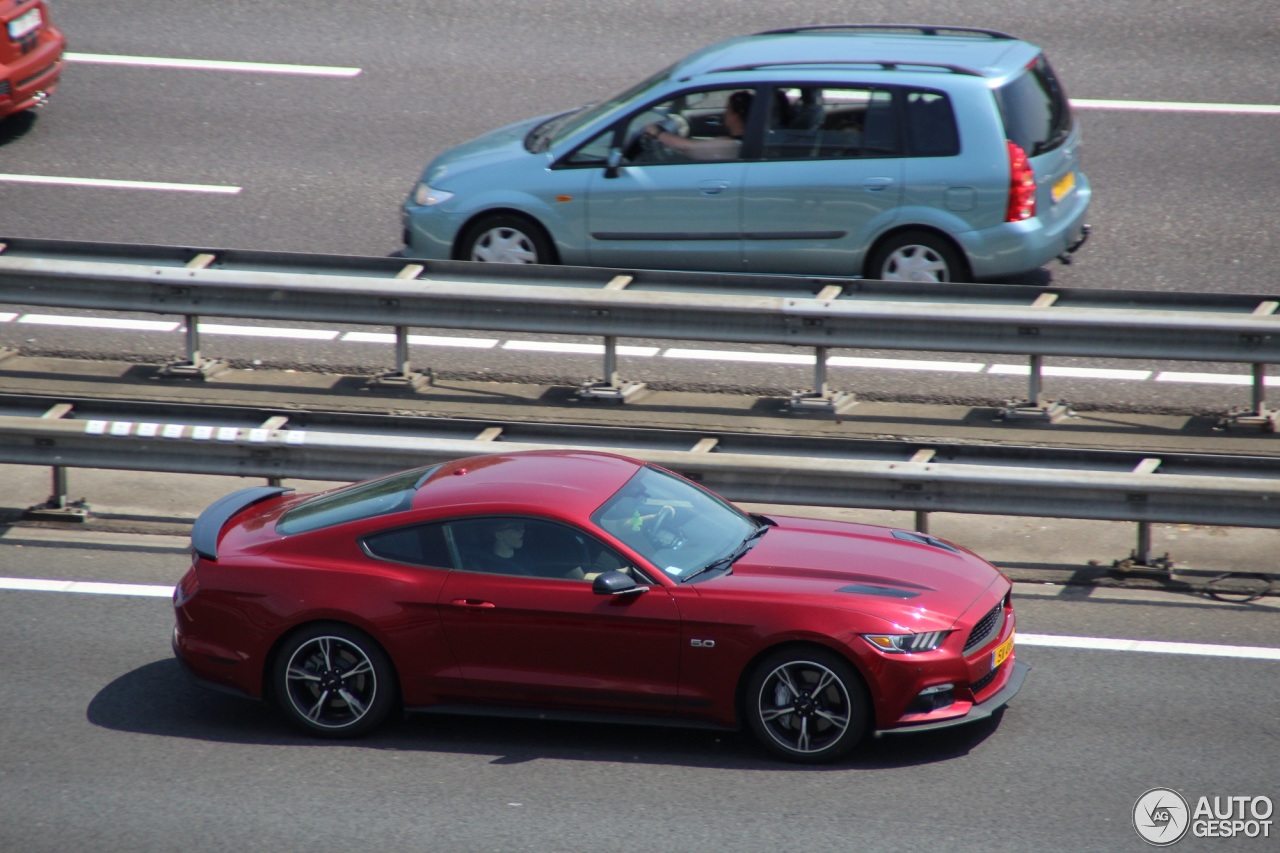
986 629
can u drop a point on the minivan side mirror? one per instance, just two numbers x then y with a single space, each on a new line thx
614 163
616 583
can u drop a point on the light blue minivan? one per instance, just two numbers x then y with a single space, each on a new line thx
894 152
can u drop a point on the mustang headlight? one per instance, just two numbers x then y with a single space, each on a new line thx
425 196
901 644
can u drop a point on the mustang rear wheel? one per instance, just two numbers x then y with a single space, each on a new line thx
332 680
807 705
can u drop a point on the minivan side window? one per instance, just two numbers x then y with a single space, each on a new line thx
831 122
931 126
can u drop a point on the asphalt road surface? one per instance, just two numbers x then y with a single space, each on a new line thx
105 746
1179 114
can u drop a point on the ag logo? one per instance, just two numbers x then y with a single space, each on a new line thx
1161 816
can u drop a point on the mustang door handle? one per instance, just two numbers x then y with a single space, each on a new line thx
473 603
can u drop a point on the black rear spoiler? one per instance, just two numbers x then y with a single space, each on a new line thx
204 533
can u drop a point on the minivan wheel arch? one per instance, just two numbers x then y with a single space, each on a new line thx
918 251
499 217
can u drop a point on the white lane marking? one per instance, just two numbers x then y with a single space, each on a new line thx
1104 644
7 316
89 587
1048 640
1210 378
675 352
735 355
213 64
267 332
120 185
421 340
1176 106
100 323
1074 372
576 349
906 364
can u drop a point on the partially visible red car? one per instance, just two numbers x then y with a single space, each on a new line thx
30 55
588 585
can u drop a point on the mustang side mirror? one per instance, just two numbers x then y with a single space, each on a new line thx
616 583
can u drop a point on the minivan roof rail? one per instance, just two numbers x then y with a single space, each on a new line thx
886 64
922 29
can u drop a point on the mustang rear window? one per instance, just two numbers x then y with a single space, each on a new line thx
352 503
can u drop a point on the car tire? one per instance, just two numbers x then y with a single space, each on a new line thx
807 705
506 239
917 256
333 681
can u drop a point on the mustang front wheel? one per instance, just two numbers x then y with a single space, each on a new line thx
807 705
333 681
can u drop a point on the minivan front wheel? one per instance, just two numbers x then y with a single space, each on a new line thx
916 256
506 239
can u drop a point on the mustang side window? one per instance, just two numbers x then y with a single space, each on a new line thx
421 545
530 547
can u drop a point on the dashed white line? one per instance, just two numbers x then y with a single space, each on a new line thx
1073 372
88 587
421 340
213 65
1212 378
1104 644
577 349
103 183
267 332
100 323
1176 106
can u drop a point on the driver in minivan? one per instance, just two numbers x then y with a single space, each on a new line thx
712 148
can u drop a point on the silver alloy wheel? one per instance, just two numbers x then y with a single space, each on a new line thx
504 245
805 707
916 263
331 682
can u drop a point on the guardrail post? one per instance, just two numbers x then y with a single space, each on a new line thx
821 398
1259 416
196 366
922 521
1036 406
58 507
612 388
1140 562
403 376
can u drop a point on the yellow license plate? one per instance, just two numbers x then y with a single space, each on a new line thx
1064 185
1002 652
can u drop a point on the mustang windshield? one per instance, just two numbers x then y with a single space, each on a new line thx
672 523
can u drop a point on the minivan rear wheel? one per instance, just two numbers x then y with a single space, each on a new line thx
917 256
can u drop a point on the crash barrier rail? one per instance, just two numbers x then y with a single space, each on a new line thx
820 313
1234 491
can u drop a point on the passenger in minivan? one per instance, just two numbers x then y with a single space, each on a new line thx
725 147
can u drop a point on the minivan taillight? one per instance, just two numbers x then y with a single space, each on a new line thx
1022 186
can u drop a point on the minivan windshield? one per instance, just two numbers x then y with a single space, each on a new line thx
1037 116
563 126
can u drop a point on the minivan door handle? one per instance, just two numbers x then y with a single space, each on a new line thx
713 187
875 185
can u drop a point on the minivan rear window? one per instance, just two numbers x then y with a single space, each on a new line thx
1037 116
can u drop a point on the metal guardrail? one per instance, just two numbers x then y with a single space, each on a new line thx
1097 485
795 311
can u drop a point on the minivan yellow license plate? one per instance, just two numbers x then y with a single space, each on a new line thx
1064 185
1002 652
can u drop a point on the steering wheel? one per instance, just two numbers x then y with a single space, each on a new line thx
662 533
648 149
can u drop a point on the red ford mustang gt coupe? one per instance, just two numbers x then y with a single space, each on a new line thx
587 585
30 55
